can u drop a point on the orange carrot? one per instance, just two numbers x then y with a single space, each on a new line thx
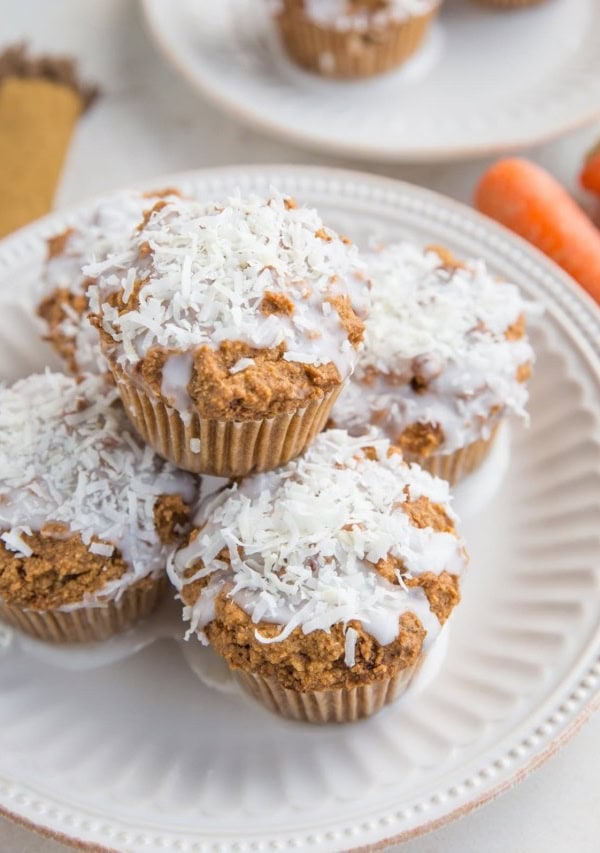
529 201
590 174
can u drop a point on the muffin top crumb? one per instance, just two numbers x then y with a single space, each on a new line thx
72 470
347 533
265 276
356 14
58 573
445 354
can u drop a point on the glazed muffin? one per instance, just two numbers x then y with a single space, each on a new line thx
352 38
324 584
230 328
446 358
87 513
62 302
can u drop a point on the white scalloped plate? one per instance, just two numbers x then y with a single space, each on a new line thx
483 81
141 755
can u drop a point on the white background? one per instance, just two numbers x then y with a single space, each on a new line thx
149 123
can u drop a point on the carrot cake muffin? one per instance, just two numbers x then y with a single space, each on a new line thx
62 303
352 38
324 583
446 358
230 328
87 513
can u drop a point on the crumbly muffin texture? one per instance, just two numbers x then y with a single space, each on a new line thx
85 508
236 310
336 567
445 356
62 299
58 572
357 15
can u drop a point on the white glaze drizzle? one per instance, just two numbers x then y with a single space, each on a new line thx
176 376
454 323
294 561
207 274
68 455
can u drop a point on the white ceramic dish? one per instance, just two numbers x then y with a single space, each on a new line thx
484 81
140 755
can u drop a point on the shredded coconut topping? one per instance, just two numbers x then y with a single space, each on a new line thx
344 15
68 456
105 227
448 327
351 637
302 542
205 269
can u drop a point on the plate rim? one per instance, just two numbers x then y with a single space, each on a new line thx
590 701
489 796
417 154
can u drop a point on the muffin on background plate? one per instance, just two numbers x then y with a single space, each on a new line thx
230 329
87 513
446 359
324 584
352 38
62 299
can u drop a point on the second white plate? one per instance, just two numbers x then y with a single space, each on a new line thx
484 81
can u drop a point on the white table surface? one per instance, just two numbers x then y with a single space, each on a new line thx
149 123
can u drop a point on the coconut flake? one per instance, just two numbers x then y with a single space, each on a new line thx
102 549
14 541
350 647
242 364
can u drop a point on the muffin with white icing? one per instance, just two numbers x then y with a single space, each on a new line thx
352 38
63 304
324 584
230 329
87 513
446 359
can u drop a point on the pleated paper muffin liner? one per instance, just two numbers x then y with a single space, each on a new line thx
454 467
339 705
88 624
336 53
222 448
